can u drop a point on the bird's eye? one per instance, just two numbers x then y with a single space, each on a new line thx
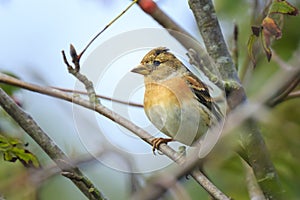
156 62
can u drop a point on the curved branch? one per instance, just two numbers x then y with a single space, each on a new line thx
53 151
169 152
285 92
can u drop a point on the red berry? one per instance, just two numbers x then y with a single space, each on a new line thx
148 6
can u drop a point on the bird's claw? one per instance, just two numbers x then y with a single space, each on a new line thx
157 141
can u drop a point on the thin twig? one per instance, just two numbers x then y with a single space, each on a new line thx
106 27
75 71
293 95
283 93
18 83
167 180
99 96
45 142
26 86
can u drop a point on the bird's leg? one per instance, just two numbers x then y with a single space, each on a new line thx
157 141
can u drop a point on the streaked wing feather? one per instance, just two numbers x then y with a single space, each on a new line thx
200 90
202 94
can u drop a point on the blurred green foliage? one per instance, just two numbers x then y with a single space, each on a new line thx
281 128
9 89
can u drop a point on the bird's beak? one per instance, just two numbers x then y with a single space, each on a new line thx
141 69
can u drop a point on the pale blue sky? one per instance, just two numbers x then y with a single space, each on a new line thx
33 33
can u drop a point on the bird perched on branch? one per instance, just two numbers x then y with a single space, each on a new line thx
176 101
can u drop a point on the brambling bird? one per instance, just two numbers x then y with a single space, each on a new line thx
176 101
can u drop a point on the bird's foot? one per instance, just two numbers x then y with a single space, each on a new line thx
157 141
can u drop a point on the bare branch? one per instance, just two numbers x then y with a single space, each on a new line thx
177 157
211 33
167 180
233 122
52 150
75 71
251 138
235 119
12 81
283 93
255 192
100 96
293 95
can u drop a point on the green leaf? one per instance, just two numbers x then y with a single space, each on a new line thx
9 157
13 149
283 7
251 41
7 142
26 157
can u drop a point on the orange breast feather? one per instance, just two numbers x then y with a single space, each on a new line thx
168 93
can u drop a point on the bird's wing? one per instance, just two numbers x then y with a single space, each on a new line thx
201 92
199 89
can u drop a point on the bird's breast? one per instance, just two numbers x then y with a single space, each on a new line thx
172 108
174 90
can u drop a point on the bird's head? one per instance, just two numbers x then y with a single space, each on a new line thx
158 64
